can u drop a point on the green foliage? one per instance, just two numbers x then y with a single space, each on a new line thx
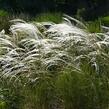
10 96
96 8
2 105
64 66
4 23
4 20
41 93
94 26
83 91
105 20
3 13
45 17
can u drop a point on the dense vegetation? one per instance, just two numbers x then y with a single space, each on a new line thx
96 8
50 60
54 66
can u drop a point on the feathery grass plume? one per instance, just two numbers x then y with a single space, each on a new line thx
28 49
73 21
38 54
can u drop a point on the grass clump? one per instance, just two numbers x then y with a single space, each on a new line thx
3 13
94 26
11 95
45 17
4 20
83 91
40 94
65 66
105 20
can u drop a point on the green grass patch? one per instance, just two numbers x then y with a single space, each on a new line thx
94 26
45 17
105 20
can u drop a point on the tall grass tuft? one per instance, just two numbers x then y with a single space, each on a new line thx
46 17
82 91
36 55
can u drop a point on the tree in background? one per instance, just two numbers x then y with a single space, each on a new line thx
96 8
